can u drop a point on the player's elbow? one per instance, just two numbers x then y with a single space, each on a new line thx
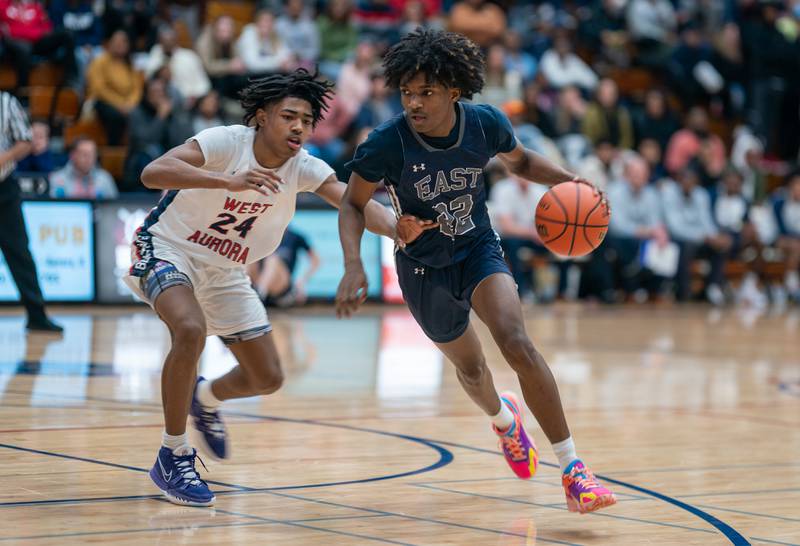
150 175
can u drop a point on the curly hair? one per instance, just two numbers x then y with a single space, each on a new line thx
448 58
300 84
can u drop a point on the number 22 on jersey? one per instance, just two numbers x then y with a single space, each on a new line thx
454 216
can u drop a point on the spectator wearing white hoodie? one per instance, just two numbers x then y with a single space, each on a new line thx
562 67
188 74
261 48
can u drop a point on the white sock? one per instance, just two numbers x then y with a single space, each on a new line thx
565 451
178 444
205 395
504 417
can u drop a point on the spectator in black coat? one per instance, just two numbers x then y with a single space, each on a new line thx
156 125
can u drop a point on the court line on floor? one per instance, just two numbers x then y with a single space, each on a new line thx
445 458
156 408
56 429
561 507
315 528
633 497
734 536
104 463
270 491
258 522
730 533
61 407
239 490
753 492
746 492
628 497
542 481
771 541
667 470
243 489
746 513
419 518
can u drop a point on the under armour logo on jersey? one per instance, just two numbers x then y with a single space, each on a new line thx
418 168
419 271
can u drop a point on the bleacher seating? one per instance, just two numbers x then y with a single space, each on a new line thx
63 103
633 82
85 127
8 77
112 159
46 75
241 12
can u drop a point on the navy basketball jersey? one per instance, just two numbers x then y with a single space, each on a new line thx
445 185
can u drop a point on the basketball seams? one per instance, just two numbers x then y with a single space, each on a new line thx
553 221
565 226
579 219
554 195
586 219
563 231
577 216
566 217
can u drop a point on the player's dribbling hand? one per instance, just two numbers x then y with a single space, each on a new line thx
602 194
352 291
409 228
259 179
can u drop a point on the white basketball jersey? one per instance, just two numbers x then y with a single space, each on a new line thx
229 229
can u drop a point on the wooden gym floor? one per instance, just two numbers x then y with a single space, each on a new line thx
691 415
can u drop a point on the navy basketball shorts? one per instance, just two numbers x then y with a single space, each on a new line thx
440 298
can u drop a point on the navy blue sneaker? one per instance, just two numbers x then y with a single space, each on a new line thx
177 478
213 437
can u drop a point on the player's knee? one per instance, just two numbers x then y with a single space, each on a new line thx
189 334
267 380
518 350
472 375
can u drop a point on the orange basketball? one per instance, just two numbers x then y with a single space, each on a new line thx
571 219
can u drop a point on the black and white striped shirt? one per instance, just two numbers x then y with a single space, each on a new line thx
14 127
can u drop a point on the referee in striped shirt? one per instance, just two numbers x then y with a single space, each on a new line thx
15 143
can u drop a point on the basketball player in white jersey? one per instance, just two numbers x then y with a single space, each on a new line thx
231 194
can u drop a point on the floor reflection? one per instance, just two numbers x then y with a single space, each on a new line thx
614 358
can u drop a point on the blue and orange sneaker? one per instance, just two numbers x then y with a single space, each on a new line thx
520 451
213 437
177 478
584 493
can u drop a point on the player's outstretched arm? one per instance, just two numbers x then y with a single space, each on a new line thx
535 167
352 290
378 219
180 169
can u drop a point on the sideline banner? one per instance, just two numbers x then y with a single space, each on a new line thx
61 241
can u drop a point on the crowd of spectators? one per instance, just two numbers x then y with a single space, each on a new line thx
687 112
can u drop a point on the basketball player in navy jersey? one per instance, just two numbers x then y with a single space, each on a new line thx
431 159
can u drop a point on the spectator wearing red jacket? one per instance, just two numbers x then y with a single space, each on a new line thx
27 32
